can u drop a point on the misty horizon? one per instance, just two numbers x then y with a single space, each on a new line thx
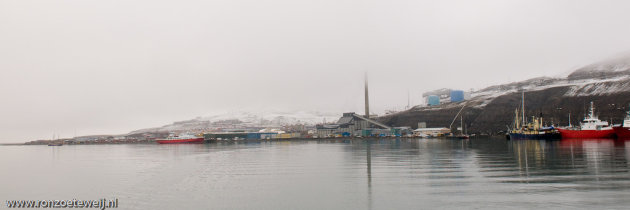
110 67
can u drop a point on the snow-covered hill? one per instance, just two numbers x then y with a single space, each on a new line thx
489 110
601 78
245 120
580 87
616 66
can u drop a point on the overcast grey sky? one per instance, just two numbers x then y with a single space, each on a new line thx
112 66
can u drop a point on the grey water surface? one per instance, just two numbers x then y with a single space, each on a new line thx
327 174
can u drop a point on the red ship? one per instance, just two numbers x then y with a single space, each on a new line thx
623 131
591 128
182 139
586 134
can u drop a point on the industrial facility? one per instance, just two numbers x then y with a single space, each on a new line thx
442 96
352 124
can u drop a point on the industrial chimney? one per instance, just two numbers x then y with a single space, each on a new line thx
367 98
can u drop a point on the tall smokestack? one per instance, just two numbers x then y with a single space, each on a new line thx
367 98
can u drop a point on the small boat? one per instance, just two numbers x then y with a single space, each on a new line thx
424 136
462 134
623 131
180 139
590 128
55 141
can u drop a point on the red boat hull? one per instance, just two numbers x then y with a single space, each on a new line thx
586 134
622 133
180 141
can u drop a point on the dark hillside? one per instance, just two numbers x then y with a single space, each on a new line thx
611 100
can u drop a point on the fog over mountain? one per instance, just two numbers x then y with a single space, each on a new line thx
490 110
73 67
607 83
617 66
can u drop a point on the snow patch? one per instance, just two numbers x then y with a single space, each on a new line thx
584 87
246 119
599 88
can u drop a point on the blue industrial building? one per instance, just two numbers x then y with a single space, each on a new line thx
457 95
433 100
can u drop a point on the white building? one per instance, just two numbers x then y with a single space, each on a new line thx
431 131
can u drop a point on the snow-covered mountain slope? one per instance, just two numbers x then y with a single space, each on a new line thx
604 78
597 79
245 119
275 118
617 66
489 110
580 87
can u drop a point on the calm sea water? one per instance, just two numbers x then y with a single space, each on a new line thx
339 174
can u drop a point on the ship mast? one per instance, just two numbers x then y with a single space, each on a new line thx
461 121
408 99
516 120
590 113
523 104
450 127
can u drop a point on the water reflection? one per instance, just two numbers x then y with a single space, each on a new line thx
456 166
575 163
590 153
330 174
369 171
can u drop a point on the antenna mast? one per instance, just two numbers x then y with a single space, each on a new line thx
523 104
408 100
